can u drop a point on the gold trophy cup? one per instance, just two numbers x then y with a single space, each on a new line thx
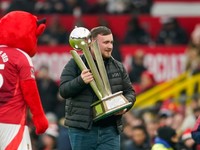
108 103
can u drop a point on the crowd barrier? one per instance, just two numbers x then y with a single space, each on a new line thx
184 86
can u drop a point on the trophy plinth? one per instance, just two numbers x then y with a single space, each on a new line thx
109 105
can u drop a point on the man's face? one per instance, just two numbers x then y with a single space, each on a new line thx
105 45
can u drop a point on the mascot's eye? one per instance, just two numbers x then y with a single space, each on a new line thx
41 21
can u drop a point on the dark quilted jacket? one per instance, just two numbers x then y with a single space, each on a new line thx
79 96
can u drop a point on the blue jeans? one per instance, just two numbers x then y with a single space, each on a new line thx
98 138
63 142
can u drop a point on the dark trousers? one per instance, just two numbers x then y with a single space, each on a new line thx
98 138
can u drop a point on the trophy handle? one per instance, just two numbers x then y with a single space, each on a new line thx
82 66
79 39
95 72
101 67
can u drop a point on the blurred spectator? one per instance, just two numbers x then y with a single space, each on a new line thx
90 2
147 81
76 7
139 139
178 119
116 46
63 141
186 141
133 118
193 59
137 66
49 6
47 141
102 21
60 108
130 119
167 111
197 112
48 89
147 115
116 50
135 34
100 7
171 32
125 136
78 21
59 6
4 5
117 6
152 127
196 126
193 54
140 6
169 107
167 138
55 33
25 5
191 113
72 7
196 131
195 36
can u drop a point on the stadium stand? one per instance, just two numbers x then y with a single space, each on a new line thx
166 63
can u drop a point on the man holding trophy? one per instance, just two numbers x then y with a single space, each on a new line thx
97 90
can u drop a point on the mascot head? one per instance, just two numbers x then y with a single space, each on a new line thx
19 29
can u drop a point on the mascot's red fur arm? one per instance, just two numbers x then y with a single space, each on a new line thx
19 29
31 96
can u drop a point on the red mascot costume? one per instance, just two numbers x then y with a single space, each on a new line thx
19 33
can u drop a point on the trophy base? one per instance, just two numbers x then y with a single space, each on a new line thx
109 106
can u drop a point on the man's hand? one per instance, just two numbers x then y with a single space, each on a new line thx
87 76
121 112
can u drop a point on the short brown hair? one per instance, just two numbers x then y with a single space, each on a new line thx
103 30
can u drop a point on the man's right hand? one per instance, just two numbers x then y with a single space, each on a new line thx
87 76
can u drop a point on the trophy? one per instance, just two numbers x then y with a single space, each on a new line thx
107 103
